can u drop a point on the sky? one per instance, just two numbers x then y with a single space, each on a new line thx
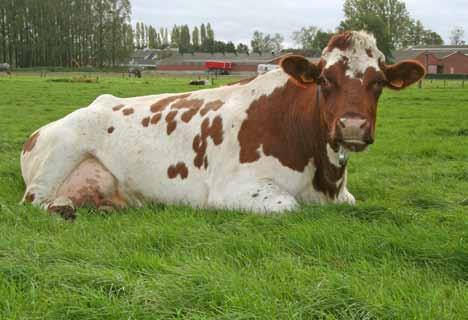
236 20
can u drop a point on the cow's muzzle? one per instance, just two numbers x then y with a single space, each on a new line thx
353 133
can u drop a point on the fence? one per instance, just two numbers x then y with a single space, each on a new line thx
444 81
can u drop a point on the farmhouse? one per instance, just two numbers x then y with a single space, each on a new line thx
446 59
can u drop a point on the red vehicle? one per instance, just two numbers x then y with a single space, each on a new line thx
219 66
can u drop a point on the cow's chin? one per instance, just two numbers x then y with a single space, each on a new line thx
349 145
353 145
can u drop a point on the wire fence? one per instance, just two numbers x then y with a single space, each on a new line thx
444 81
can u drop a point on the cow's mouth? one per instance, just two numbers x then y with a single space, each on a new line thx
354 145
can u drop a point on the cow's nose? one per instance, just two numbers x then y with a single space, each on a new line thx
352 131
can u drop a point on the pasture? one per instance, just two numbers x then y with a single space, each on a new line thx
400 253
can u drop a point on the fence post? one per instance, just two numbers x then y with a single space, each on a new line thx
463 81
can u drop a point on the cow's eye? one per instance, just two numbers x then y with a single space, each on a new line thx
328 82
377 85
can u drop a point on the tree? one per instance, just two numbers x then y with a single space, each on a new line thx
375 25
184 39
196 38
265 43
432 38
230 47
311 38
209 44
175 36
392 13
321 39
65 33
277 42
242 48
305 37
202 34
418 35
400 29
164 38
457 35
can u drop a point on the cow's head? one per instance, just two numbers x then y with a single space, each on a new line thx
350 76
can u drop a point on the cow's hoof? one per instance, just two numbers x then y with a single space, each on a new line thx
64 207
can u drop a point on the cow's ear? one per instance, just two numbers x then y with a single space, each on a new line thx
300 69
403 74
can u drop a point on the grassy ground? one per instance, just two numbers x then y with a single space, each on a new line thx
400 253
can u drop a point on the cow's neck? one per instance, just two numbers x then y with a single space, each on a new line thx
285 124
310 134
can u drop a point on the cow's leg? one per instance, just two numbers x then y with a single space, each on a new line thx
346 197
48 158
259 195
91 184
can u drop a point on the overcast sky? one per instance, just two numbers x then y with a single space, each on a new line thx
236 20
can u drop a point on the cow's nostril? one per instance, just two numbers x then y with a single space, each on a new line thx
369 140
364 124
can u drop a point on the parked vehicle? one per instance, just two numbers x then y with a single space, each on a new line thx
219 67
264 68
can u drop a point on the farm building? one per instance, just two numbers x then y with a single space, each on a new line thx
438 59
200 62
147 58
171 61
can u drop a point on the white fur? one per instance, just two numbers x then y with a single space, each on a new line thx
138 157
358 60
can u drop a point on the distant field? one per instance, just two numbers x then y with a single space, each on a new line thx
400 253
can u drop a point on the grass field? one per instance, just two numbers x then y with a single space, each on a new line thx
400 253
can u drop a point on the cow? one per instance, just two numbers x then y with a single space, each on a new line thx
263 145
5 67
136 72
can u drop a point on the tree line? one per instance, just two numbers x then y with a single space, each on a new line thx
199 39
100 33
65 33
388 20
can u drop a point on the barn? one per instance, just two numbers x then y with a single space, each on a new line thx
445 59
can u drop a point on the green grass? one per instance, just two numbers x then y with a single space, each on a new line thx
400 253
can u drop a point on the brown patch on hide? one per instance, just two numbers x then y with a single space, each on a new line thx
266 127
211 106
155 119
193 105
188 115
145 122
180 169
188 104
200 143
118 107
163 103
110 130
369 53
341 41
128 111
30 143
171 123
287 125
